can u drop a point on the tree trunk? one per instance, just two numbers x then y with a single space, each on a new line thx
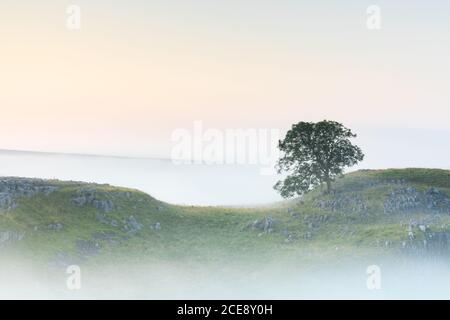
328 185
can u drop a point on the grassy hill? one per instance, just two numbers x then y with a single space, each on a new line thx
392 212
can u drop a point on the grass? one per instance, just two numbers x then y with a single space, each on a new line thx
220 235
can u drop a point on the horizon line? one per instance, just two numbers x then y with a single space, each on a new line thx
82 154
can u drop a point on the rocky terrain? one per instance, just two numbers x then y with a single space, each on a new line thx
401 212
12 189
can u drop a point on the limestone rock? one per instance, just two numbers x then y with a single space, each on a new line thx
10 236
56 226
131 225
89 196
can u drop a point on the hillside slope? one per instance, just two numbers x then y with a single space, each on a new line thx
397 211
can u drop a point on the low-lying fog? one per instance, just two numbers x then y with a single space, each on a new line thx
203 185
164 180
406 280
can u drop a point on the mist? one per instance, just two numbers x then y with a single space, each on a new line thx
190 184
404 278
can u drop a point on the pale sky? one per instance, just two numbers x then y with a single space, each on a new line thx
137 70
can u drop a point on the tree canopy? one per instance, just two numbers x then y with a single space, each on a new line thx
314 154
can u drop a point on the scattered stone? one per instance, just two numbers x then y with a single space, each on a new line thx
411 200
13 188
89 196
289 237
84 197
110 237
7 202
20 187
55 226
87 248
266 224
131 225
343 202
156 226
10 236
439 242
293 213
103 205
106 220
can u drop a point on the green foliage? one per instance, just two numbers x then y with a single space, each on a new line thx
315 153
220 235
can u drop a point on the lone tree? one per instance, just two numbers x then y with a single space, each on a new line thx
313 154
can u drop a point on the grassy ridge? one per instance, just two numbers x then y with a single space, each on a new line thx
351 222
